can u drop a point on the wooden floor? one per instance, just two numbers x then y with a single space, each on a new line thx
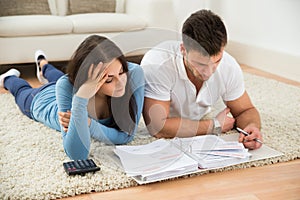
277 181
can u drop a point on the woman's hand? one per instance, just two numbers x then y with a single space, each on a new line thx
96 77
64 119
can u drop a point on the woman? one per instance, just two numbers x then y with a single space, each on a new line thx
101 96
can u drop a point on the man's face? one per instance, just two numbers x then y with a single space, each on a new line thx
202 67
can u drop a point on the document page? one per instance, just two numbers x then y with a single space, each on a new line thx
158 157
212 152
169 158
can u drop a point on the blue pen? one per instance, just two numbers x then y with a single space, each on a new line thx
246 134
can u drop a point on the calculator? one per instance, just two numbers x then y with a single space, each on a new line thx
80 167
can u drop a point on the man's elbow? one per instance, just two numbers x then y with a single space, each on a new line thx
156 127
159 133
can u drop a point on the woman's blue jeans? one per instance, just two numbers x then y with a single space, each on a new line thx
24 93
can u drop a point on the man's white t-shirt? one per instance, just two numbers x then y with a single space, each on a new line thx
166 80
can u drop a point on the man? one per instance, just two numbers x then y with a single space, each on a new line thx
184 79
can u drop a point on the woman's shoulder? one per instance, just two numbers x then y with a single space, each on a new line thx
132 65
63 79
136 74
64 82
135 68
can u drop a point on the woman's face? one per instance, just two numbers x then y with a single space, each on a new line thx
114 85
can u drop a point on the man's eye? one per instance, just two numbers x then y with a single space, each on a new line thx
109 80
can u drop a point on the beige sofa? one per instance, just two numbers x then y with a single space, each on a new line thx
58 26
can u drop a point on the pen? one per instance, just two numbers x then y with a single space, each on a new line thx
246 134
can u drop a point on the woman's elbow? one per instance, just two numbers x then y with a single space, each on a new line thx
124 139
76 151
73 155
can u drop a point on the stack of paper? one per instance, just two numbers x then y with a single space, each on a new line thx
212 152
163 158
156 160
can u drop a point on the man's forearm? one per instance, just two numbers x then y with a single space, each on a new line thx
250 116
179 127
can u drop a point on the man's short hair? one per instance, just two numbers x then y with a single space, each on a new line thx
205 32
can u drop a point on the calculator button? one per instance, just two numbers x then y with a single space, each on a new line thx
81 164
77 165
92 163
86 163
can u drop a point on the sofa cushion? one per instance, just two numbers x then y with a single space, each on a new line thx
24 7
63 6
31 25
52 6
120 6
105 22
91 6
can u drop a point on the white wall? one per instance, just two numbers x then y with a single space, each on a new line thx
263 33
184 8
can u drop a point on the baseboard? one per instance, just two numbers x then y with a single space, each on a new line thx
268 60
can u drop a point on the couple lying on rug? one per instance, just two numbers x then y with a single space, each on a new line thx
102 96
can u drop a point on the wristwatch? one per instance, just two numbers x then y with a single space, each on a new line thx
217 129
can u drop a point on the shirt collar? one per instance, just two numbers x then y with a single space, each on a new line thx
180 66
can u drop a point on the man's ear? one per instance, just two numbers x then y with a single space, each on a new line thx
182 50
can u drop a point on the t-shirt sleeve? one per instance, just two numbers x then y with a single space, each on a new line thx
158 81
234 81
77 140
64 93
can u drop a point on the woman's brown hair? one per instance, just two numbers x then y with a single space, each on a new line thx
93 50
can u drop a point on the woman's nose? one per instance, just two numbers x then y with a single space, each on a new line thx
121 79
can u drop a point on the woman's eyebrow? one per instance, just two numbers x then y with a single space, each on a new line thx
111 75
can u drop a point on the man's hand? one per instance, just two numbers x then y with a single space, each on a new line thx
249 141
226 122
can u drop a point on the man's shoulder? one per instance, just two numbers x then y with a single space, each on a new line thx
168 48
228 63
228 59
169 44
161 51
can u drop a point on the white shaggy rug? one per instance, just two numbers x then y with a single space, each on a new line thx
31 155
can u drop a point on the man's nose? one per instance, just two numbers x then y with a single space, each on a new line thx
208 70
